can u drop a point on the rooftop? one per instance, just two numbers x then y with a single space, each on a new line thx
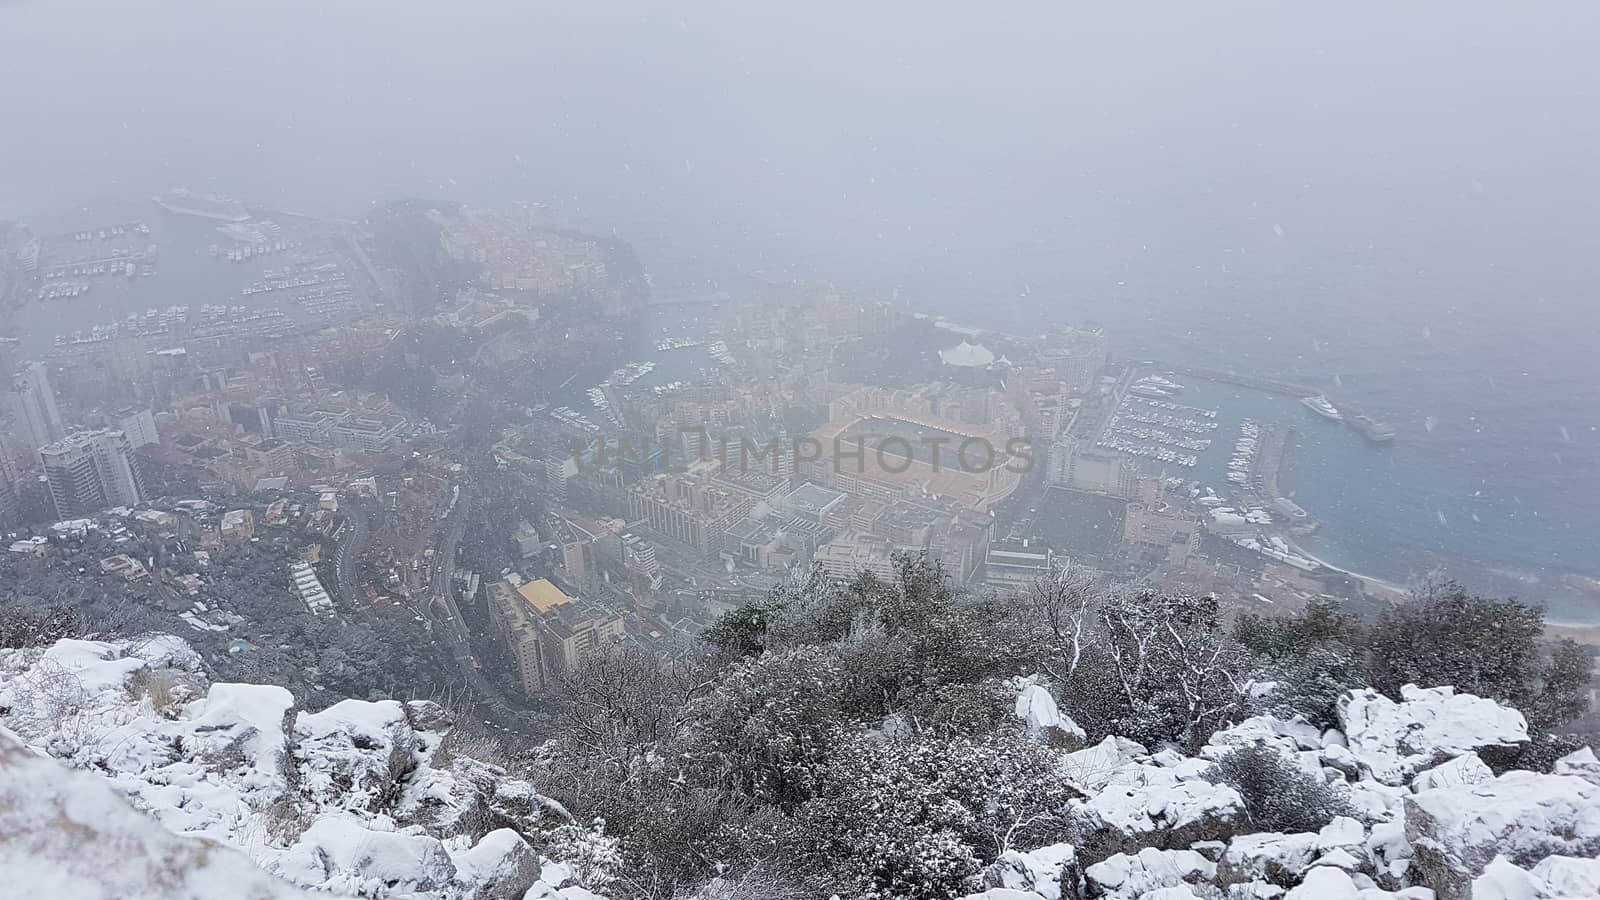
813 498
542 595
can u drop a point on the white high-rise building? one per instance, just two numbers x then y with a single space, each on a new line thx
639 555
139 425
90 471
33 402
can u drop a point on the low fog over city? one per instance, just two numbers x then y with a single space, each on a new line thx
716 450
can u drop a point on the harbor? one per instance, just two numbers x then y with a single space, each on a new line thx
131 272
1341 411
70 264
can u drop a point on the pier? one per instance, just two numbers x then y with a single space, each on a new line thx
1372 429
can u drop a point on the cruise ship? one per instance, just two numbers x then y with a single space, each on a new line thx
206 206
1320 405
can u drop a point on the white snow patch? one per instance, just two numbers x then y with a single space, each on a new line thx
1393 740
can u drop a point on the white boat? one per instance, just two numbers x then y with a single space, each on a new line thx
1320 405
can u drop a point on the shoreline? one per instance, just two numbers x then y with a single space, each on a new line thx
1399 591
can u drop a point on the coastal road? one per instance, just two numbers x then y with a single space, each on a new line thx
449 627
347 553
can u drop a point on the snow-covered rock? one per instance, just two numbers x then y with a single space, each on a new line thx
1339 758
1339 858
1289 737
1092 768
1569 876
242 724
1125 875
1387 843
69 834
1503 880
1393 741
358 798
1582 763
1456 831
1039 871
1342 832
1464 769
342 855
1037 708
1376 802
1325 883
354 752
1149 806
501 865
1268 856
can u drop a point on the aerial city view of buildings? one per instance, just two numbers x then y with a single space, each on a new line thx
542 459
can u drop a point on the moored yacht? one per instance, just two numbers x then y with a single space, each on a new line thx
1320 405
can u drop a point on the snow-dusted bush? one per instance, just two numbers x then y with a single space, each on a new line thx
1278 794
918 816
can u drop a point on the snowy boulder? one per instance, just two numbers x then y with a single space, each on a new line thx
1455 832
1339 858
1393 740
68 834
68 695
1568 876
1125 875
1339 758
1325 883
1149 806
241 725
1328 883
1375 801
354 753
557 883
165 651
1464 769
1581 763
342 855
543 890
1289 737
96 666
1092 768
1342 831
1037 708
1503 880
1390 853
1268 856
501 866
1040 871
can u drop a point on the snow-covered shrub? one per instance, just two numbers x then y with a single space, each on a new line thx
919 816
1278 794
592 856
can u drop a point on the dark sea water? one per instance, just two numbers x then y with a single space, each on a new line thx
1393 203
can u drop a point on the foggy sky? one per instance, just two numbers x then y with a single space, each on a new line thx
896 140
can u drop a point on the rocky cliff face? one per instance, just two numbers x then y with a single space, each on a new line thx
1430 819
249 795
125 773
